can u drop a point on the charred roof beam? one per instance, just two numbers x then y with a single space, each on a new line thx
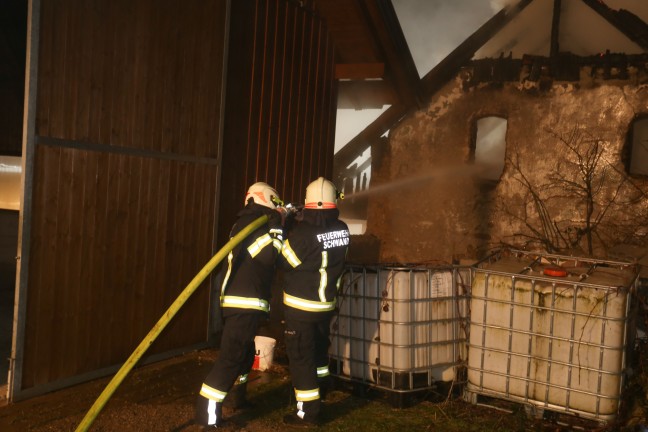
461 56
431 83
626 22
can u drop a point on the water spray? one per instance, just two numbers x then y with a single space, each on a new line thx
446 172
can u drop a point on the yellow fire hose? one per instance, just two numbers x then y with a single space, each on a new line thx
163 321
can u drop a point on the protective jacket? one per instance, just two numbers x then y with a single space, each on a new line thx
250 265
245 296
314 256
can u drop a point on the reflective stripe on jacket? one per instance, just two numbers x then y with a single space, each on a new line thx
313 256
251 264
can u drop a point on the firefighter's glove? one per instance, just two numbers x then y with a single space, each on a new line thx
293 209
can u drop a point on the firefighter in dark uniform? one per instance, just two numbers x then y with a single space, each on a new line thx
313 256
244 300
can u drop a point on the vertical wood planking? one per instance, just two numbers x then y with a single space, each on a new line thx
104 262
287 101
255 110
66 264
88 256
97 94
137 202
140 91
279 85
291 95
114 74
46 42
269 151
146 247
301 91
326 123
57 101
310 165
142 226
43 270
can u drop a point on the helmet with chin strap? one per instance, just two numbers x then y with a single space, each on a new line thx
263 194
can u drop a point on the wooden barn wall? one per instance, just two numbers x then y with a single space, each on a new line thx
125 180
280 109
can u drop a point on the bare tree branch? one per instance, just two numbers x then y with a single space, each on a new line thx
577 205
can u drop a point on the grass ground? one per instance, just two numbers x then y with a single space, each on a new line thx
160 397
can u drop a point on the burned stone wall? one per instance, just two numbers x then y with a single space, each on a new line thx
430 204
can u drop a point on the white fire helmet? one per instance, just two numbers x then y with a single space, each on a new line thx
321 194
263 194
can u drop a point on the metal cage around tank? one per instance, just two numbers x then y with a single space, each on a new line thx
551 332
400 328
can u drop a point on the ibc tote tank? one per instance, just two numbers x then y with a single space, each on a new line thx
551 332
400 328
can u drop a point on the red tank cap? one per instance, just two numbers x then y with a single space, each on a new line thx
555 271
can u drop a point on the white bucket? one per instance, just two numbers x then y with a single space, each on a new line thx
264 352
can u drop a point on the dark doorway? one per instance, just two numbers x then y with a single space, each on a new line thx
13 50
8 246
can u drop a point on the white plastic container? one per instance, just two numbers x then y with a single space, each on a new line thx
553 342
355 327
264 352
400 328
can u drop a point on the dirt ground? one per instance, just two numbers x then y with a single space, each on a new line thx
160 397
157 397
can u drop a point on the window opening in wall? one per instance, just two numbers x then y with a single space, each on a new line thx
490 146
639 152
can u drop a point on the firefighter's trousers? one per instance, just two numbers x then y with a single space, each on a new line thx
235 358
307 345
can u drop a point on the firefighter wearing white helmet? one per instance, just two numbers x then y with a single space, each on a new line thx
321 194
313 255
263 194
244 300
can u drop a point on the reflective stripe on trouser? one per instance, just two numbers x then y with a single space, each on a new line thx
234 362
308 410
307 348
236 354
322 372
208 411
213 412
303 398
212 394
306 395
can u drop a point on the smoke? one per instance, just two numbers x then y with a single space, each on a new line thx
433 28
